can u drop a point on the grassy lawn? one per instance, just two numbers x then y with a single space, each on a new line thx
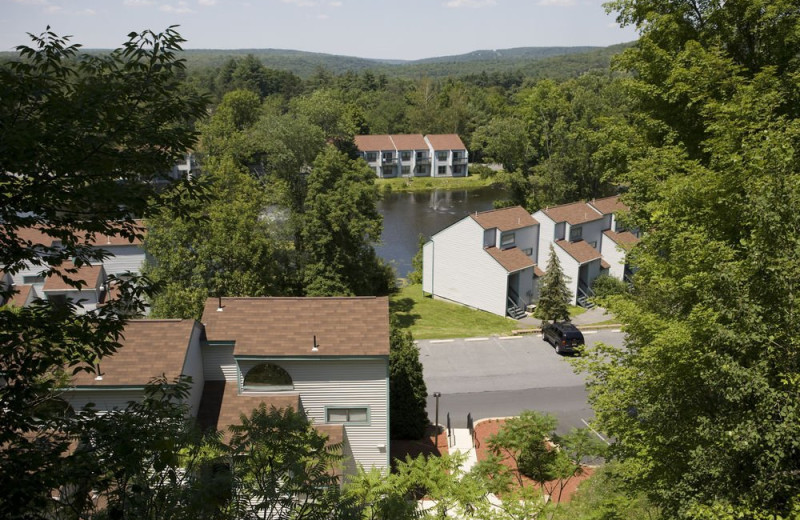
434 319
576 310
411 184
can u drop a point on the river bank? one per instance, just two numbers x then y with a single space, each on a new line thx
422 184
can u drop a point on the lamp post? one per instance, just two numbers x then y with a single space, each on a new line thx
437 395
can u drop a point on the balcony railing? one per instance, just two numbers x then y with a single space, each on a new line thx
389 160
459 160
423 160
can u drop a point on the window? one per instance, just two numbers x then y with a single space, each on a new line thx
442 170
32 279
422 156
507 239
458 169
58 300
346 415
372 156
456 156
267 376
593 244
441 156
575 233
421 169
528 251
387 156
406 170
406 156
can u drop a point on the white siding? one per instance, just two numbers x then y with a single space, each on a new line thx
126 258
571 267
546 234
218 363
193 367
427 267
463 272
591 232
615 256
345 383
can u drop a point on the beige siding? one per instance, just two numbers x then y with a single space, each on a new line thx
345 383
104 400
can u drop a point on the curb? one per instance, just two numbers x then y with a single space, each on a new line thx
584 327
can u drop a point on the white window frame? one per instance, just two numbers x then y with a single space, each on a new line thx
575 233
348 410
507 240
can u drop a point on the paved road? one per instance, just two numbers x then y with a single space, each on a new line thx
498 377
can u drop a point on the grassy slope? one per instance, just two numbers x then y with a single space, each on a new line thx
412 184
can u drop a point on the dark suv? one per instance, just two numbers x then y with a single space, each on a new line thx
564 336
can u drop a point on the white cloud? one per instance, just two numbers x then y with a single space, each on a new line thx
88 12
32 2
138 3
335 4
470 3
559 3
181 8
207 2
53 9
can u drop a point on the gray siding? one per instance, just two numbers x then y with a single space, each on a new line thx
126 258
218 363
193 367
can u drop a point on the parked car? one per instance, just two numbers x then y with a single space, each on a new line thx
564 336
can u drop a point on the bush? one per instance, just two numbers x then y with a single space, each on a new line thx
605 286
482 171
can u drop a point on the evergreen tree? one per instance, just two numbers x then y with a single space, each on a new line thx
554 295
407 388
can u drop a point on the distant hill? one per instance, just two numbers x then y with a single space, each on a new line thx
556 62
531 61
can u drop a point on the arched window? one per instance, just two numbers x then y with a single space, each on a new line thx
267 376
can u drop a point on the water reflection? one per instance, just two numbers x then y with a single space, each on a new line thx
407 215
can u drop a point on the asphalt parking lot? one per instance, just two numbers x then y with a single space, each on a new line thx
502 376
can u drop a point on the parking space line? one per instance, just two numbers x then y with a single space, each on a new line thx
442 340
616 330
595 432
590 332
476 339
510 337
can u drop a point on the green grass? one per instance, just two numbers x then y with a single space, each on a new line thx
412 184
435 319
576 310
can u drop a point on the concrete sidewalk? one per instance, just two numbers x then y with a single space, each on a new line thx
462 442
591 316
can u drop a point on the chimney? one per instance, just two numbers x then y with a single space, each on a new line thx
315 348
219 303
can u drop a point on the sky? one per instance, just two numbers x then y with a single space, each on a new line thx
385 29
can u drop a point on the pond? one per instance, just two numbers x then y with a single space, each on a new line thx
407 215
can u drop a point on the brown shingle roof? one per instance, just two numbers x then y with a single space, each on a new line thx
409 142
90 275
505 219
446 142
580 251
356 326
149 348
20 297
609 205
624 239
573 213
538 271
604 264
37 236
373 143
512 259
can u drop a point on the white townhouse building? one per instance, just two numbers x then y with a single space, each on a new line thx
485 261
334 369
450 157
126 256
412 155
586 237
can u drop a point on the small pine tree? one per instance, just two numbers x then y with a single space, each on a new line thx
554 295
407 390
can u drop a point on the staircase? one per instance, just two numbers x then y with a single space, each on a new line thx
584 293
514 311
